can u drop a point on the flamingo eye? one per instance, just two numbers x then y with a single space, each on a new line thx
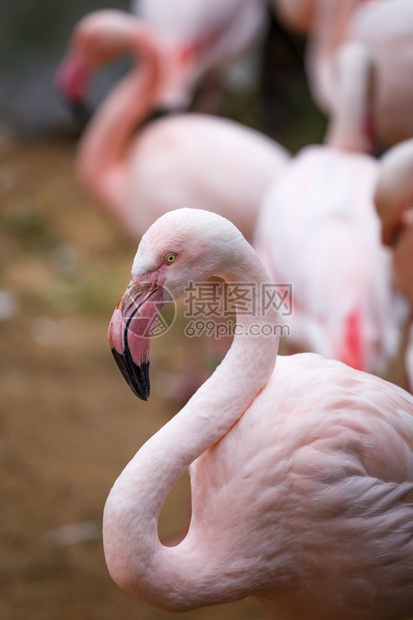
169 258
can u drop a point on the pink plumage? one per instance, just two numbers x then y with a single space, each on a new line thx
301 467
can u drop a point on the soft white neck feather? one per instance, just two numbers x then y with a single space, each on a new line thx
168 576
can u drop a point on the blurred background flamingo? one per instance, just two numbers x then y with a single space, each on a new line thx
384 30
141 170
199 44
183 159
344 302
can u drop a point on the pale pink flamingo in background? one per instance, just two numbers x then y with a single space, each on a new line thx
394 203
318 230
201 39
384 30
182 159
301 476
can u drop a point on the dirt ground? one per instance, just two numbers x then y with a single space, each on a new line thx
68 422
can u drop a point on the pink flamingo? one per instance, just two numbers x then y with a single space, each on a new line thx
179 160
199 39
384 31
344 301
301 476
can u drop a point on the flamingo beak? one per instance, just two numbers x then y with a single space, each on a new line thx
71 80
81 113
130 331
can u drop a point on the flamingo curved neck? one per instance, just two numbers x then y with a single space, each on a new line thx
137 561
331 26
102 154
333 21
348 128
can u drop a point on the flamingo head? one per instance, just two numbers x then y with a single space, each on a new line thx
71 81
183 246
98 39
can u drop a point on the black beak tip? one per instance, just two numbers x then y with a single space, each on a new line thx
80 111
137 377
141 396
